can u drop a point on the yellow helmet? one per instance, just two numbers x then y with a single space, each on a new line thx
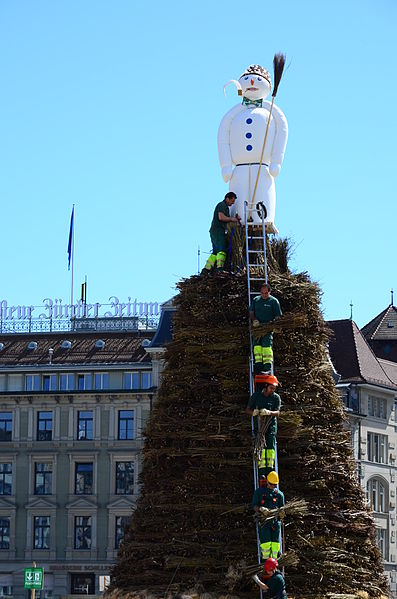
272 478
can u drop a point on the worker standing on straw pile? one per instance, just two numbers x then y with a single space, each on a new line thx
269 498
265 403
264 308
271 580
218 233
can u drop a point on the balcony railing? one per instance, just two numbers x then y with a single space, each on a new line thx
49 325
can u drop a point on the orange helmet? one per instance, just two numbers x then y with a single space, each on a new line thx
266 379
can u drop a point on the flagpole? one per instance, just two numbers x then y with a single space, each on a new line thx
71 292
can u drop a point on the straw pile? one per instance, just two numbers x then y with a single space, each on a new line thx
193 526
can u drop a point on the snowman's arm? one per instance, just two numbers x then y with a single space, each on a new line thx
225 157
281 137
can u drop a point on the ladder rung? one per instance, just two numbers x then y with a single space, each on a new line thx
255 251
256 279
250 237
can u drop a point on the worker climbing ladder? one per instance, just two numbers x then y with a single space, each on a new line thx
256 261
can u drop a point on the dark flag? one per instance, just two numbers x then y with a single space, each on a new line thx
70 244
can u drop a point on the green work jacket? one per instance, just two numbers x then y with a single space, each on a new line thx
270 498
218 226
260 401
276 585
265 310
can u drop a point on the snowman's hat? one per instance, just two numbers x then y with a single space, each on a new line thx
256 69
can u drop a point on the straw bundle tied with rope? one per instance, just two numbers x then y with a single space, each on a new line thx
189 529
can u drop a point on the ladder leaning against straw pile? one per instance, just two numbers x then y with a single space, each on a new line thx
256 266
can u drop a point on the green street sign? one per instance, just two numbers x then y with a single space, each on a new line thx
34 578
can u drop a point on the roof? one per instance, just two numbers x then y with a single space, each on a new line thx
119 348
390 368
353 358
383 326
163 334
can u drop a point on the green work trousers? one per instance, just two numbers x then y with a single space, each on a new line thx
263 353
218 256
269 537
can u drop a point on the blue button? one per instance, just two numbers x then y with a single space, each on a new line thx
249 148
248 121
248 135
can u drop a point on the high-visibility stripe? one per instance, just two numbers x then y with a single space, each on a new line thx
258 354
220 259
267 354
266 549
274 550
210 262
270 457
267 458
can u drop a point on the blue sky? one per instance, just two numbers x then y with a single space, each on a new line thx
115 106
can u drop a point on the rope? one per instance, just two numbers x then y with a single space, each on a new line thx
229 250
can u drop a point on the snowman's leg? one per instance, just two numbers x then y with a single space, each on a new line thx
239 184
265 193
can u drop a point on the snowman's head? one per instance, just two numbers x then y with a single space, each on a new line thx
255 82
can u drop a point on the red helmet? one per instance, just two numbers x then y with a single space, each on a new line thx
266 379
271 564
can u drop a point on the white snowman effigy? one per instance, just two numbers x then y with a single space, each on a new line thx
252 138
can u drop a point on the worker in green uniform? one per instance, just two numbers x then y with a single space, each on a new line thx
264 402
218 233
269 533
271 580
263 308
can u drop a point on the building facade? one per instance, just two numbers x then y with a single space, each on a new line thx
368 387
73 407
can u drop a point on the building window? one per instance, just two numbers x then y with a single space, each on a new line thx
102 380
32 382
41 532
377 448
131 380
146 380
5 426
377 407
4 533
5 479
44 426
82 532
137 380
126 424
49 382
85 427
381 541
124 478
66 382
84 382
6 591
82 584
43 479
121 525
377 495
83 479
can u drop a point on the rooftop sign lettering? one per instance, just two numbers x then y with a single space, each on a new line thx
55 309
